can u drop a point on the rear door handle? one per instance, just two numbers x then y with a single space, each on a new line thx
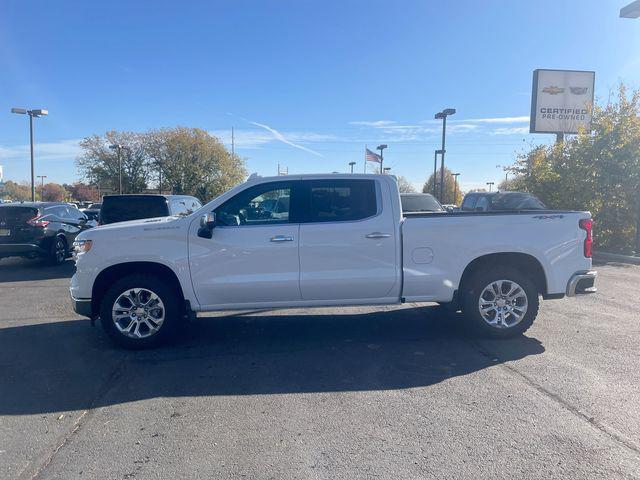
282 238
377 235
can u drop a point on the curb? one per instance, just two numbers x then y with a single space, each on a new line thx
615 257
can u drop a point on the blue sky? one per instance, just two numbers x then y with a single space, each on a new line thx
306 84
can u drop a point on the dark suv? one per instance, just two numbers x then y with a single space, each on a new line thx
121 208
500 202
39 229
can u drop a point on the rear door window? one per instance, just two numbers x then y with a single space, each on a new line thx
339 200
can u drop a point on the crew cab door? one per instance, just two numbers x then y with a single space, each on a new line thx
252 255
347 241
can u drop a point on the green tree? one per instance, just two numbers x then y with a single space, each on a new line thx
597 171
193 162
449 187
98 164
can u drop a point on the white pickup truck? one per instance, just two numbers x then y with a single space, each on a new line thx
326 240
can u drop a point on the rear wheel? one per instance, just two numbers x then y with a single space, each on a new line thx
500 302
58 251
140 311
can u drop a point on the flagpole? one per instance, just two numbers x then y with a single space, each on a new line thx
365 160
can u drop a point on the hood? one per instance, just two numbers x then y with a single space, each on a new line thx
134 227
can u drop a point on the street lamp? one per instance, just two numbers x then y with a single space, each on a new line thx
443 115
40 112
387 169
490 185
42 177
381 148
118 147
435 172
455 187
351 164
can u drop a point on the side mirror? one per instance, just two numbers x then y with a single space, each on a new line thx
208 220
207 224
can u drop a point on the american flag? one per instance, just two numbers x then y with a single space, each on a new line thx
369 156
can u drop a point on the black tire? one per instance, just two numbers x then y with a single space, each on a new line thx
58 251
474 287
170 300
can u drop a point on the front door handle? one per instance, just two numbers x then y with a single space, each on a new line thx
377 235
282 238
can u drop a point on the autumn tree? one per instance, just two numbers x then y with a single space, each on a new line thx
10 190
98 164
598 170
404 185
50 192
449 187
193 162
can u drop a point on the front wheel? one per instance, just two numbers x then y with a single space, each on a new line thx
500 302
140 311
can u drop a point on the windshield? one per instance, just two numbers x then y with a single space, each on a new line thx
420 203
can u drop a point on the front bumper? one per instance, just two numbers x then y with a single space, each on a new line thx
582 283
82 306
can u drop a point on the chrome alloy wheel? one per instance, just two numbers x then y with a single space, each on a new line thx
138 313
503 304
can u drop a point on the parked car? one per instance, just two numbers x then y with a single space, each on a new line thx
92 211
420 202
122 208
500 201
39 229
343 241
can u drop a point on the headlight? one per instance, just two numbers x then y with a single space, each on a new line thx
82 246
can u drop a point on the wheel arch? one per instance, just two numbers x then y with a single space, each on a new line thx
516 260
114 272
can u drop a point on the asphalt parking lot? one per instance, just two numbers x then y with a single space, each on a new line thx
341 393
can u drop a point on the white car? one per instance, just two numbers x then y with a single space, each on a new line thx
342 241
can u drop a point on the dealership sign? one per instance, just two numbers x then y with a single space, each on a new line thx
561 101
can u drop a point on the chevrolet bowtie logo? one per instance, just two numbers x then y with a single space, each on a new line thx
553 90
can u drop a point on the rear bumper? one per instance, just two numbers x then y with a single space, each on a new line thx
21 250
582 283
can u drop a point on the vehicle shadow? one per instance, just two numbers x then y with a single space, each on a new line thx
24 270
68 365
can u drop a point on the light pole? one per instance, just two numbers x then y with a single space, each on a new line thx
455 187
435 172
381 148
490 185
42 177
386 170
40 112
351 164
443 115
118 148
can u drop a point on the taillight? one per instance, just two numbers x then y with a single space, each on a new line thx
587 225
37 222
